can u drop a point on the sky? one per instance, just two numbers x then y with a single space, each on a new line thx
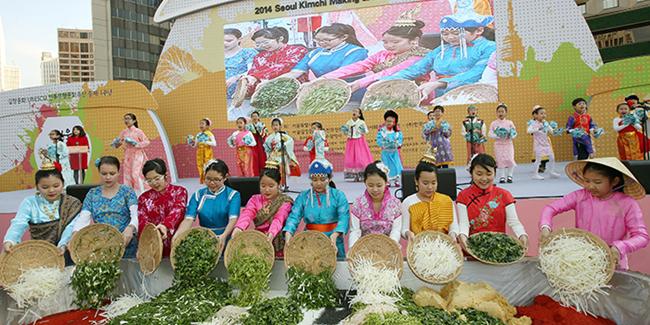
30 28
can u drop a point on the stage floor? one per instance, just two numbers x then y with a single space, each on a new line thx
522 187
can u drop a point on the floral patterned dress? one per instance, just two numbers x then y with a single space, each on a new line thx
437 134
134 158
268 65
365 220
166 207
244 142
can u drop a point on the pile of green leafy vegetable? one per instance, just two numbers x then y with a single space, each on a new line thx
275 311
312 291
196 256
249 273
495 247
324 99
273 95
391 319
93 282
182 304
432 315
377 102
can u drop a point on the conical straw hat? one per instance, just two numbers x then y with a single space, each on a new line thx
632 187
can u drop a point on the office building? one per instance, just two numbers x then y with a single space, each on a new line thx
76 55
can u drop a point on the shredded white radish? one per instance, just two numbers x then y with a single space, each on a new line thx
121 305
34 285
576 270
435 258
375 284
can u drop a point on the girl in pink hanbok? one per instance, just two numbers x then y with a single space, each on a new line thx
503 131
134 141
357 152
244 141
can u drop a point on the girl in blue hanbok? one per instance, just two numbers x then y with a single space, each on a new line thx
113 204
217 205
390 139
323 207
58 151
316 144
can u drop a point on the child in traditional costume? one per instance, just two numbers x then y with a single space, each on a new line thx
58 151
244 141
437 133
503 131
316 144
323 207
390 140
581 126
113 204
163 205
279 147
50 214
78 147
630 137
377 211
540 129
134 141
485 207
203 141
474 132
257 127
217 205
428 209
606 206
268 210
357 152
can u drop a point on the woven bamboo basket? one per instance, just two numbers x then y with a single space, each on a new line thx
266 83
406 89
469 251
469 94
379 248
310 251
240 92
433 235
28 255
307 89
593 239
178 239
249 242
150 249
96 242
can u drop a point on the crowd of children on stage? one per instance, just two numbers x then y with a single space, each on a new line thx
605 205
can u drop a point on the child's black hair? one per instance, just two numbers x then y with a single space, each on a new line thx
47 173
502 105
484 160
158 165
59 134
82 132
621 104
319 125
373 169
424 166
241 118
220 167
632 97
272 173
441 108
255 112
607 171
276 120
207 122
393 114
108 160
578 100
536 110
135 119
360 114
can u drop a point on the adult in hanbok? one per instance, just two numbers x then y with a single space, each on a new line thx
337 47
316 144
257 127
244 142
134 142
376 211
357 152
486 207
203 141
279 147
267 211
237 59
427 209
58 151
217 205
78 147
401 50
275 58
113 204
437 133
49 214
460 59
323 208
630 134
390 140
503 132
163 205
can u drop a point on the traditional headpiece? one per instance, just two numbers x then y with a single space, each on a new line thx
536 107
272 164
408 18
208 120
320 167
464 17
48 164
429 156
383 168
210 162
502 105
